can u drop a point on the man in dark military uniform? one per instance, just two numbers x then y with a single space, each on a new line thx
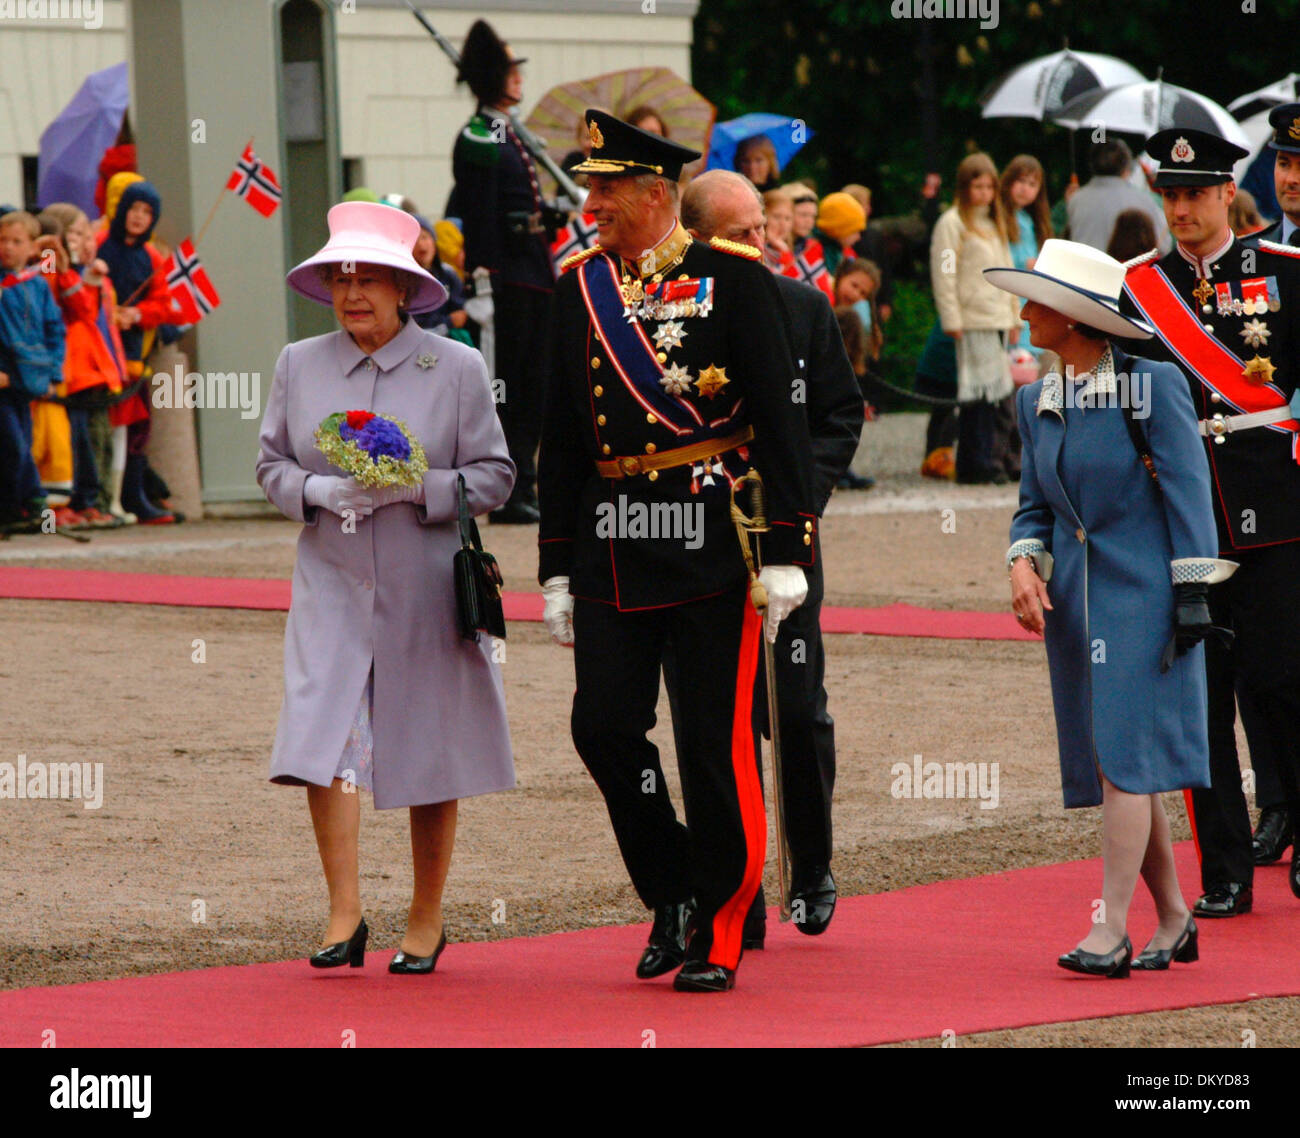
1227 311
720 203
504 219
1276 828
671 377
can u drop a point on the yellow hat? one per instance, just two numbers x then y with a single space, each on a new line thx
840 216
450 241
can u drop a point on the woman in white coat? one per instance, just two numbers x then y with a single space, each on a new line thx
380 691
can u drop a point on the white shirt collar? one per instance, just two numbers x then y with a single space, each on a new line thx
1203 265
1288 228
1099 381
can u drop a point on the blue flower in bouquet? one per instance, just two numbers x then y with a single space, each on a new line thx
381 437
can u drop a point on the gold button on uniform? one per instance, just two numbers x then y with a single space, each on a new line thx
652 475
598 391
662 357
807 539
650 448
605 449
600 419
595 361
651 419
1080 534
808 526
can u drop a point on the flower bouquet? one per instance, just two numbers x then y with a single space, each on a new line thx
377 451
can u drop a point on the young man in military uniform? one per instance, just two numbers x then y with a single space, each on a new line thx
1227 311
498 198
671 376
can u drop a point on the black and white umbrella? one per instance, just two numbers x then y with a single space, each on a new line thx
1146 107
1040 88
1266 98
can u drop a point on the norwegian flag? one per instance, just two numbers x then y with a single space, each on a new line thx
812 270
188 283
579 234
255 182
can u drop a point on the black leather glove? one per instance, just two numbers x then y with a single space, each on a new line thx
1191 622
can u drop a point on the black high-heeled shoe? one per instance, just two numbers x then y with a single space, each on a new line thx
404 965
351 951
1114 965
1184 950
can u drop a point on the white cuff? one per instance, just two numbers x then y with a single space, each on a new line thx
1207 570
1032 547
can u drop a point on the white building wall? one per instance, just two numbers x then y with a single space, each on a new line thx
399 106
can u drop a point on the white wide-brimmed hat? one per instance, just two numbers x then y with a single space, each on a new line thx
1075 280
372 234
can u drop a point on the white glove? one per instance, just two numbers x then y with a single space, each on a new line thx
558 613
787 588
390 494
338 494
479 307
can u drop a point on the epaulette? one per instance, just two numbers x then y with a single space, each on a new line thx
1141 259
578 257
735 248
1285 250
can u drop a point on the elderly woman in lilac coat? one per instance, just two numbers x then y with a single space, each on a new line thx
380 691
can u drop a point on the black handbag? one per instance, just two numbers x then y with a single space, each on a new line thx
478 578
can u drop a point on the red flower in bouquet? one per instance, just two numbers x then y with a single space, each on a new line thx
358 419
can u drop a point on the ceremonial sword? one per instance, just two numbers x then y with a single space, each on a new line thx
746 525
536 146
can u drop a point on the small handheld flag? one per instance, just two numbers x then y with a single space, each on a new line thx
255 182
188 283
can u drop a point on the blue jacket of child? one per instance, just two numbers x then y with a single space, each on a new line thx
31 333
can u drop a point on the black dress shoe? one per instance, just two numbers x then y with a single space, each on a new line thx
351 951
812 900
1114 965
1231 899
1273 834
1293 876
515 514
666 948
1184 951
404 965
701 976
850 481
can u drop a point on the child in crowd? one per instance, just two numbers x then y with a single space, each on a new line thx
143 305
970 237
31 362
778 253
857 285
809 255
94 371
840 222
856 347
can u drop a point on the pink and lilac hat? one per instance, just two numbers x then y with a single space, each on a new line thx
372 234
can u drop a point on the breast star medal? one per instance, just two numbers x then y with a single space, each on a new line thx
1259 370
712 380
669 335
676 380
426 361
1256 334
1203 292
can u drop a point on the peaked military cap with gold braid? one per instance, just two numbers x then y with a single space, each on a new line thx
620 148
1285 121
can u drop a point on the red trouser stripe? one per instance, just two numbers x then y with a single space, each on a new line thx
1191 818
729 921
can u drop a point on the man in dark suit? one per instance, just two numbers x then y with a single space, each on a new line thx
1285 121
1227 311
723 204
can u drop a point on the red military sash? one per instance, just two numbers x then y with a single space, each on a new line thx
1200 353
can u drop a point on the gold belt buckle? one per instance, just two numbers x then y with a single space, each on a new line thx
1217 426
630 465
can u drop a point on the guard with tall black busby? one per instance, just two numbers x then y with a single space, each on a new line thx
1227 311
671 378
505 222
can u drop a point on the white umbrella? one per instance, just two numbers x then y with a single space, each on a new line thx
1266 98
1144 108
1257 132
1039 88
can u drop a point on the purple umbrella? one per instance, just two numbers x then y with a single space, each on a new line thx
75 141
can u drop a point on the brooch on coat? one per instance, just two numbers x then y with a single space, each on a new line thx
426 361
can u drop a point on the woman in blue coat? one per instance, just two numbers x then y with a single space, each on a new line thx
1111 551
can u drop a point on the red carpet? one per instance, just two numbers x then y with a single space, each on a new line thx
965 956
273 593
